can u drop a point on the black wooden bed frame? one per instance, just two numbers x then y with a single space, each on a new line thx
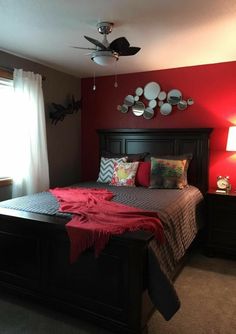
110 290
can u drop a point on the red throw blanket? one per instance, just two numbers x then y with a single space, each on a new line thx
95 218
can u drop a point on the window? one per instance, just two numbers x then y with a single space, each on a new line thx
6 126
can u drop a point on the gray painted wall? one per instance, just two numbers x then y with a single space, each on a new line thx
64 138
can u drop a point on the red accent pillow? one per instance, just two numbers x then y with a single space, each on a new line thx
143 174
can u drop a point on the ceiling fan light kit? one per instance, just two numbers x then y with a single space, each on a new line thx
104 58
105 53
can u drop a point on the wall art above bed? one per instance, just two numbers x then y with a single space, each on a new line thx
145 100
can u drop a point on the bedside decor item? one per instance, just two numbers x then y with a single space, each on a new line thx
154 97
223 184
60 112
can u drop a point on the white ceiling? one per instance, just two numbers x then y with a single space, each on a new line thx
171 33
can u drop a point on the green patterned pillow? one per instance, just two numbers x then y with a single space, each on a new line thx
168 173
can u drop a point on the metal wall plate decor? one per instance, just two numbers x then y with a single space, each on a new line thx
129 100
162 96
190 101
124 108
138 108
166 109
139 91
148 113
182 105
146 99
174 96
152 90
152 103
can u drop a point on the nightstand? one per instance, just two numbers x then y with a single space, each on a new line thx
221 223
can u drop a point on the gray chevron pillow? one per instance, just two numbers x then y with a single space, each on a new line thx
107 168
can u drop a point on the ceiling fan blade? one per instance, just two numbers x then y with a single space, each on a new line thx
119 44
81 48
96 42
132 50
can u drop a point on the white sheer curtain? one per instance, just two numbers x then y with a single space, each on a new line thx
30 173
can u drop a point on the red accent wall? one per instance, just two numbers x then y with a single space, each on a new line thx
212 87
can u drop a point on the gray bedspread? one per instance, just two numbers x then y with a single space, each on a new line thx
179 211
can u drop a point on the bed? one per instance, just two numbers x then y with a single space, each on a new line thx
112 290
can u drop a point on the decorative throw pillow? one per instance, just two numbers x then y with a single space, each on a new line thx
168 173
107 168
143 174
124 174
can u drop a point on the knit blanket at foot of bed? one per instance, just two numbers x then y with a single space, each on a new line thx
95 218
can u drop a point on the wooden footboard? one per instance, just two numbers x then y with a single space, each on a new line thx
109 290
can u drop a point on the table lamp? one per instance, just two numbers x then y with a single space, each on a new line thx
231 141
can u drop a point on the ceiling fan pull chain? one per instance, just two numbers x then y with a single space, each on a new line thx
94 83
116 81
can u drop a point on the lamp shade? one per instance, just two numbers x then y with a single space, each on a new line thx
231 141
104 58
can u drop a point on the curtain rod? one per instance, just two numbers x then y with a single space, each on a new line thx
7 69
11 70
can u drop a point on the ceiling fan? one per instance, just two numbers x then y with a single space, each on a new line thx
105 53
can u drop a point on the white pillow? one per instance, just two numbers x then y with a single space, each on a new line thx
107 168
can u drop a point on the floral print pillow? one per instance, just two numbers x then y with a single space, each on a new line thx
124 174
167 173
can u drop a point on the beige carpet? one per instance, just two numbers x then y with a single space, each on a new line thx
206 286
207 290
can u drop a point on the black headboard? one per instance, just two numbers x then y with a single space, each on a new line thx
163 142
